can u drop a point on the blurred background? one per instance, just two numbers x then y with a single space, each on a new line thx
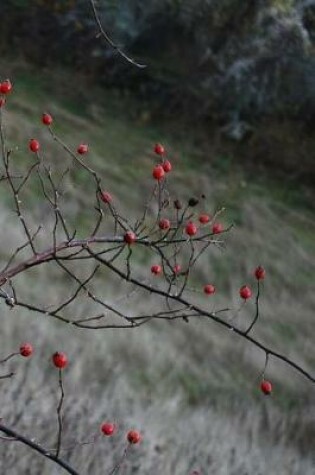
229 89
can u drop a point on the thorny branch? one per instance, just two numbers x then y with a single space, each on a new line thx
108 250
81 260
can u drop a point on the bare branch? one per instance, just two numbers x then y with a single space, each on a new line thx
211 316
257 309
38 448
59 409
7 376
108 40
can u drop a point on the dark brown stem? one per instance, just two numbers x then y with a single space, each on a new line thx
59 409
50 254
257 310
7 376
205 313
119 463
7 358
38 448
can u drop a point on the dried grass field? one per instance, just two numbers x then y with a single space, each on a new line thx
191 389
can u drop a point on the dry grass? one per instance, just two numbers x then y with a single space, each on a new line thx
191 388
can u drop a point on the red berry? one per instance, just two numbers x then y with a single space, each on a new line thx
217 228
82 149
245 292
164 224
60 360
209 289
2 102
204 218
156 269
167 166
158 172
47 119
6 87
106 197
191 229
177 268
159 149
108 428
34 145
133 437
266 387
130 237
26 350
260 273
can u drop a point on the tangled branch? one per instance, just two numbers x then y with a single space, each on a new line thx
174 234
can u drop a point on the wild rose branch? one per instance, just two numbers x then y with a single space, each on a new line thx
176 234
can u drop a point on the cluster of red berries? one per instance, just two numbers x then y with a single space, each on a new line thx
47 119
164 167
245 290
60 360
158 173
34 144
191 228
109 429
156 269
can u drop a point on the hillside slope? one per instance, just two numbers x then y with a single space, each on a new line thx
192 388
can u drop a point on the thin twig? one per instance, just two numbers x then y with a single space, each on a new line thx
38 448
7 376
211 316
59 409
113 45
257 309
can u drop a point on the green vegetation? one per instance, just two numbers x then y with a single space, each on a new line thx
245 79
